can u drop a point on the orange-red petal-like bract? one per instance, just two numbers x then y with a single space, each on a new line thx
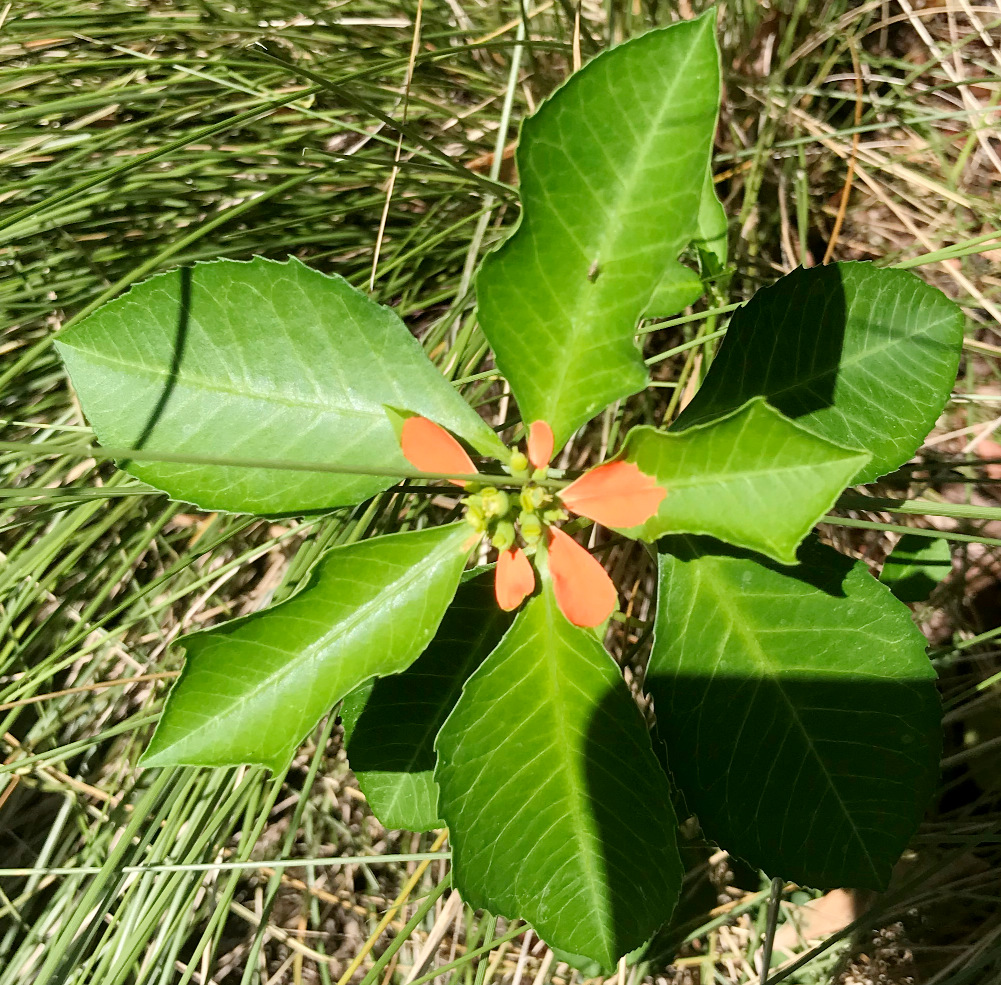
429 447
584 592
514 578
616 494
540 444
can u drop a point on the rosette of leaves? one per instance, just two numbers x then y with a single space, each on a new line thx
792 692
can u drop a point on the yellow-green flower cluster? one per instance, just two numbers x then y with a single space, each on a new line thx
501 516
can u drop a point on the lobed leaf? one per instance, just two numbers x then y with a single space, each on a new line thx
860 355
612 172
390 723
258 360
557 809
799 709
753 478
252 688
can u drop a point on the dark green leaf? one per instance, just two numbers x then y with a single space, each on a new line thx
916 565
860 355
754 478
253 688
799 709
557 809
390 723
265 361
612 169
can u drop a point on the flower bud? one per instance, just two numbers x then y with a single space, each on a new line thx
503 536
518 463
531 527
555 515
475 518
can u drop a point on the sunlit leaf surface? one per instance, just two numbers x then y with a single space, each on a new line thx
264 361
612 170
861 355
754 478
390 724
557 809
252 688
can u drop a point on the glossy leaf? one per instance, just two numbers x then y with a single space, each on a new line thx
861 355
755 479
557 809
252 688
680 286
799 709
259 360
916 566
390 724
612 169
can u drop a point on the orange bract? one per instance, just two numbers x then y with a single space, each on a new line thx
617 494
429 447
540 444
513 578
584 592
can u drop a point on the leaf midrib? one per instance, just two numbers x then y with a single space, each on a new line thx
583 836
195 382
579 324
728 477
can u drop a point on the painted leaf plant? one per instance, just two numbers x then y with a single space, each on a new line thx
792 691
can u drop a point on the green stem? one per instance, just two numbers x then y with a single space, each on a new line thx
146 455
917 507
896 528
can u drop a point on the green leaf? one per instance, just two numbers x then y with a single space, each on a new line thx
252 688
390 724
679 287
258 360
799 709
860 355
755 479
916 566
713 227
557 809
612 169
